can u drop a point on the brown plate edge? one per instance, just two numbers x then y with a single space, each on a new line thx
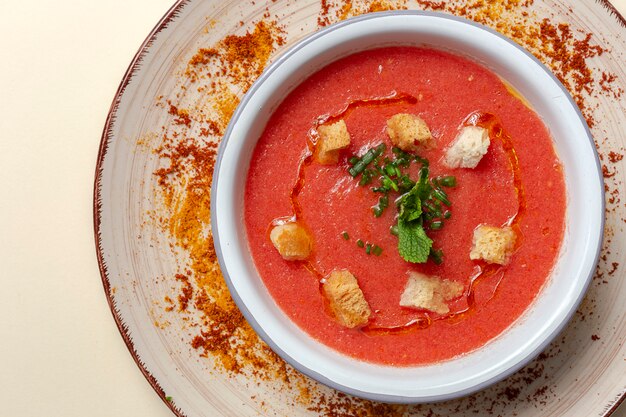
169 16
107 136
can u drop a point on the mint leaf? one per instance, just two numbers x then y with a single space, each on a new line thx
410 205
413 243
423 187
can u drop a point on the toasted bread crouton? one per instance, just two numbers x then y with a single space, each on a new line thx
468 148
429 293
346 299
292 241
407 131
332 138
494 245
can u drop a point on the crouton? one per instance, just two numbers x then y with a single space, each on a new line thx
346 299
468 148
332 138
429 293
494 245
407 131
292 241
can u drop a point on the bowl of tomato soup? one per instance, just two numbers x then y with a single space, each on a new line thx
407 206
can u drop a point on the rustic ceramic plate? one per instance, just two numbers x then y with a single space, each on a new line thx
152 197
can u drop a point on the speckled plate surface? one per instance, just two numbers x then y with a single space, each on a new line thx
152 211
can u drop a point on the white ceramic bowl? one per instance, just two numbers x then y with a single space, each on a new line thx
556 302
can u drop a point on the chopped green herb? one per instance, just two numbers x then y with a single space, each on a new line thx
410 205
405 184
436 225
367 177
447 181
433 211
436 256
168 399
421 203
383 203
345 235
389 184
441 195
422 161
390 170
366 159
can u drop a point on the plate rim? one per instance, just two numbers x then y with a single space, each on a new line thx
107 136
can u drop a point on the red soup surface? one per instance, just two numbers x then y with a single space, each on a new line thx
519 178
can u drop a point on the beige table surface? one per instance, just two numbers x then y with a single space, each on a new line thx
60 352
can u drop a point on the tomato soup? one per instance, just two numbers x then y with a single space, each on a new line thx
518 183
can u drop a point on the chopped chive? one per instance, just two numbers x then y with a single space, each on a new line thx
405 184
360 243
368 248
422 161
389 183
345 235
400 154
447 214
394 230
377 250
367 159
440 195
436 255
353 160
168 399
383 203
436 225
366 178
433 210
423 174
447 181
390 170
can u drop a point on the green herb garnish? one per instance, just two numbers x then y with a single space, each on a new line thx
436 225
421 203
366 159
383 203
413 243
436 256
446 181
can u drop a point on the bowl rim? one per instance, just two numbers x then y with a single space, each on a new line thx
528 356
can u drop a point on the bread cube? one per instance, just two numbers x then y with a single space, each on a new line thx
346 300
408 132
332 138
429 293
468 148
492 244
292 241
